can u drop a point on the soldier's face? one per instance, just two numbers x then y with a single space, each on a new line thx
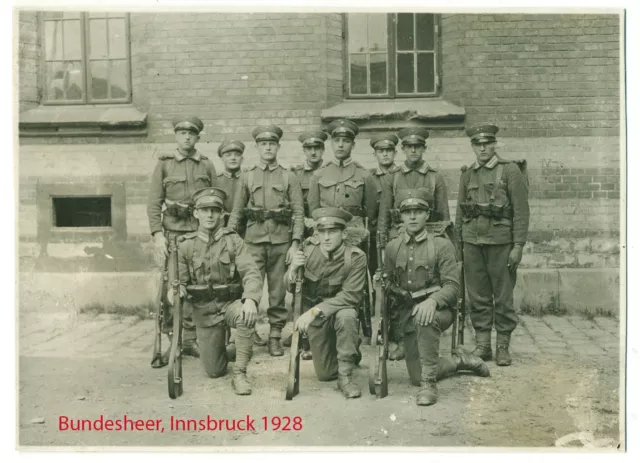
413 152
268 150
484 151
331 238
342 147
232 160
313 153
415 220
385 156
208 217
186 139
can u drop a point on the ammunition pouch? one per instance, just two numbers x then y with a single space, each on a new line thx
492 211
178 210
401 298
219 293
281 216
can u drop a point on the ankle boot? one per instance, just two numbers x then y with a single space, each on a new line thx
469 362
349 389
240 383
503 357
428 393
483 346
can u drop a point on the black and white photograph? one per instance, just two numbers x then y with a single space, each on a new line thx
387 229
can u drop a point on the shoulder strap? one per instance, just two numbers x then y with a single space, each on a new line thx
285 189
497 181
232 253
347 260
431 252
250 175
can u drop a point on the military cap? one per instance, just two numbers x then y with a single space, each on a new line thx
267 132
314 138
230 145
191 123
414 199
384 140
482 133
330 217
413 136
343 128
209 197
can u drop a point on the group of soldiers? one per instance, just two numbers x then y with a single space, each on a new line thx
238 226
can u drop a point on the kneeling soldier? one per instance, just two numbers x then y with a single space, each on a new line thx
223 285
424 289
332 291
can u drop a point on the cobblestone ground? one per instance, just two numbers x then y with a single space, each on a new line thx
561 390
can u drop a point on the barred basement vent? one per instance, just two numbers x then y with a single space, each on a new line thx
82 211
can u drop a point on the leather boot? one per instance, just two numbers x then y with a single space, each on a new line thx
241 384
349 389
244 352
287 341
396 351
191 348
483 346
428 393
258 341
503 357
469 362
275 348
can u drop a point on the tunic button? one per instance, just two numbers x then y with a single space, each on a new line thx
409 281
410 258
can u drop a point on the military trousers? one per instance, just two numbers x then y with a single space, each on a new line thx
211 340
189 334
334 345
490 287
422 349
270 259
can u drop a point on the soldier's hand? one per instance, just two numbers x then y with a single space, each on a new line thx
515 256
249 313
303 321
182 291
161 251
291 251
297 260
425 312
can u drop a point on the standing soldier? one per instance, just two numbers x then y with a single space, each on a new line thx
413 173
271 201
332 291
223 283
492 221
425 288
345 184
231 153
313 147
176 177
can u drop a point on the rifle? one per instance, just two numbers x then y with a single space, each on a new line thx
157 360
293 378
378 381
175 354
365 312
457 331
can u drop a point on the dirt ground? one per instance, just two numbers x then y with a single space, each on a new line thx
533 403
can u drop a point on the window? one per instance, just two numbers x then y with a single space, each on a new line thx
86 59
82 211
392 55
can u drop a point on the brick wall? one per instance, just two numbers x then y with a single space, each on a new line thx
28 60
535 75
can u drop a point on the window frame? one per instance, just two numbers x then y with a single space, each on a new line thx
84 37
392 68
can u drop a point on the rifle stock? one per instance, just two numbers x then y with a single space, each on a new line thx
293 378
378 379
457 332
175 354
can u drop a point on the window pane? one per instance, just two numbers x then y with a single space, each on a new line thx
425 32
117 39
72 40
426 73
358 70
378 73
53 40
377 32
357 32
64 81
404 33
98 14
119 79
98 39
99 80
405 72
61 15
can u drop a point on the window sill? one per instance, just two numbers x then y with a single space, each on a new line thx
82 121
395 114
